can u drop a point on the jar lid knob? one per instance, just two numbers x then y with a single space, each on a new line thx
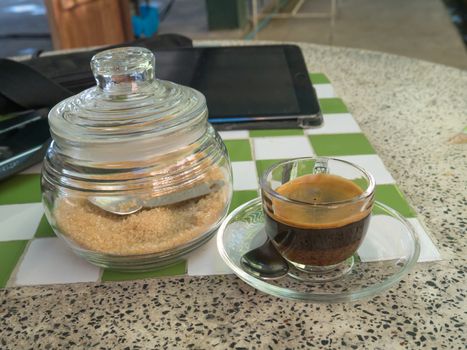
123 70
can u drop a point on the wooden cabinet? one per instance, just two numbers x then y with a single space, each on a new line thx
82 23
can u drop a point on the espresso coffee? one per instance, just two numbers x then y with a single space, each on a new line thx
317 235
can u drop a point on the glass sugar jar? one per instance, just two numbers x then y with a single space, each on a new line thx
135 177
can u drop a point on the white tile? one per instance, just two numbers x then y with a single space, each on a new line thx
234 134
35 169
324 90
50 261
336 124
386 239
244 176
282 147
374 165
19 221
428 250
207 261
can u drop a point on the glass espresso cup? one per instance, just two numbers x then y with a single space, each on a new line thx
317 212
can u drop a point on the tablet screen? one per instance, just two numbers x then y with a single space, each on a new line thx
236 81
23 138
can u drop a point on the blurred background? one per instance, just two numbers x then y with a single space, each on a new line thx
433 30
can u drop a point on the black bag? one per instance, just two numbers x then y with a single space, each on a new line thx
44 81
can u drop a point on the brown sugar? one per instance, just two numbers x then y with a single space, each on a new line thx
150 230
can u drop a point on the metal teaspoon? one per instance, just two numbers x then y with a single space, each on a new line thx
265 262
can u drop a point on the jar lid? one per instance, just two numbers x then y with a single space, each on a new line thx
130 108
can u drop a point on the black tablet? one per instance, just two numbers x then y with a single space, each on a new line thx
245 86
246 83
24 139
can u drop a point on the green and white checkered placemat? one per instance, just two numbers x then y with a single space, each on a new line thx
31 254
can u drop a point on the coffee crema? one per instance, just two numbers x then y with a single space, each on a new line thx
312 234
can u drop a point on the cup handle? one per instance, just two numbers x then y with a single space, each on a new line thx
321 166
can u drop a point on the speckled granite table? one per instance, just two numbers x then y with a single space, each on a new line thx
405 107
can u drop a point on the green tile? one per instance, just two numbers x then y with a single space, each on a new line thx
20 189
239 150
332 105
361 182
276 132
10 252
4 117
378 211
44 229
341 144
393 197
263 165
179 268
240 197
319 78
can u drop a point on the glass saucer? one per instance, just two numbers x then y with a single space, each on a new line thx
390 249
